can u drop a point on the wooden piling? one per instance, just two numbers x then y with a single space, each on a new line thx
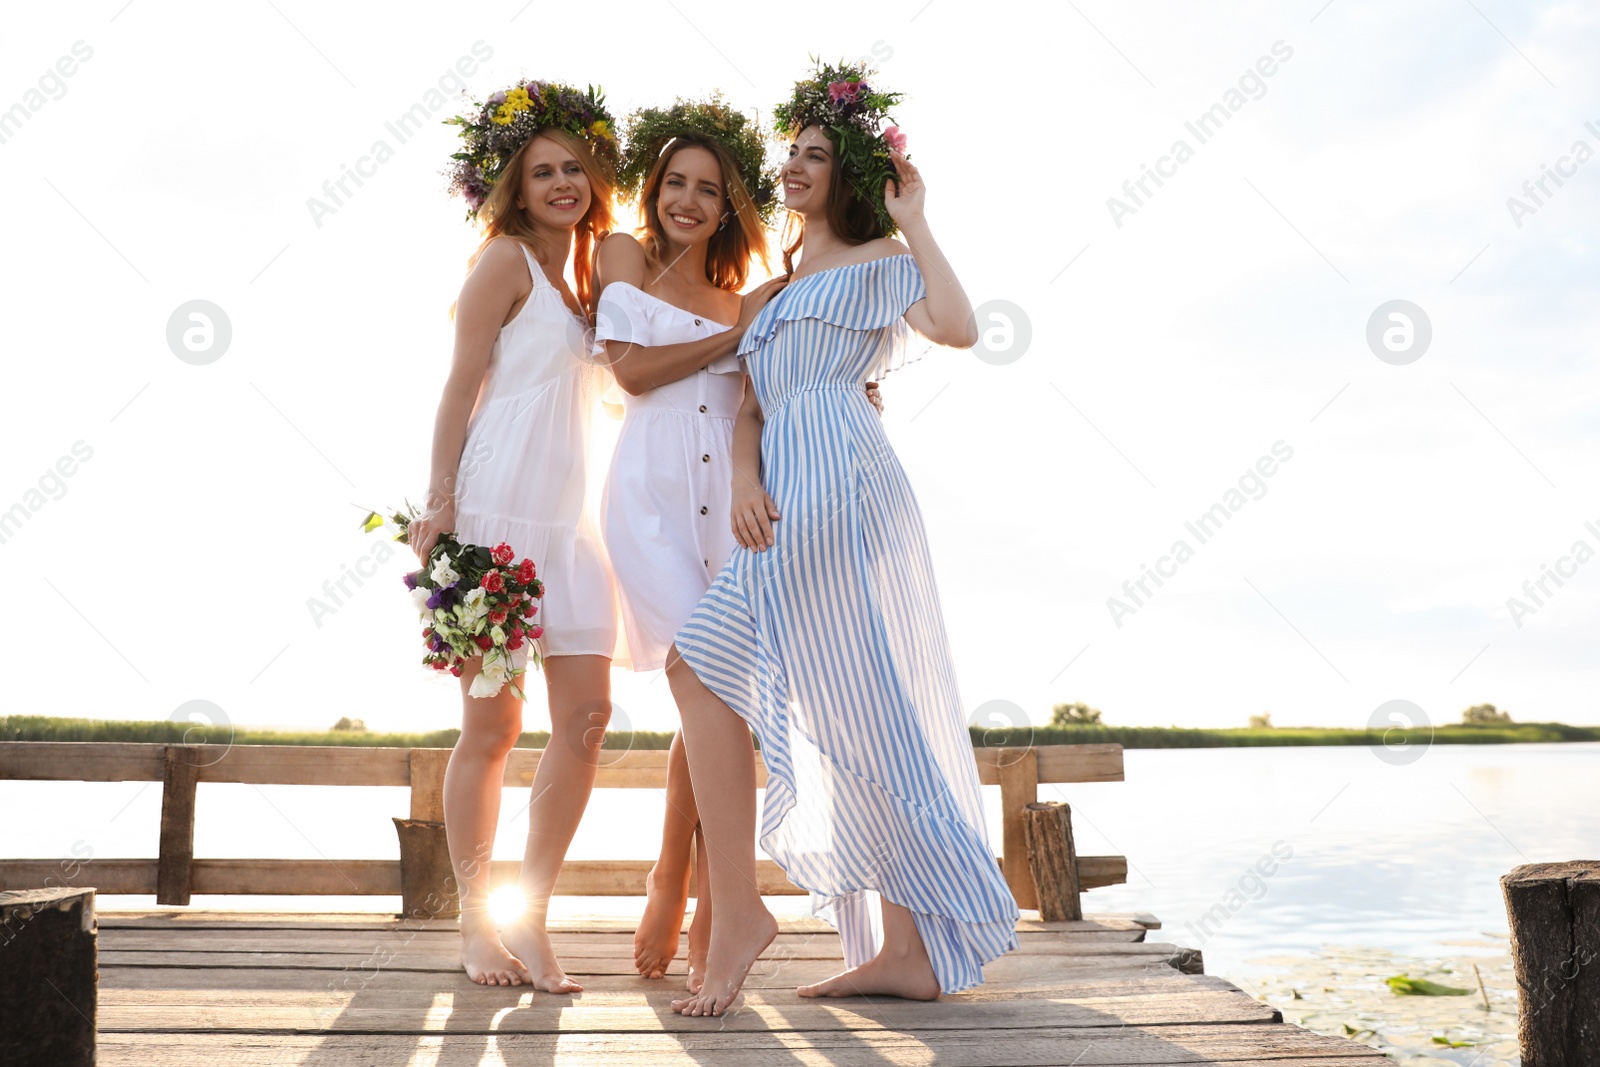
1053 860
48 977
1554 911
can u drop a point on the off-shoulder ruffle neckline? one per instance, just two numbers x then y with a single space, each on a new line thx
846 312
665 303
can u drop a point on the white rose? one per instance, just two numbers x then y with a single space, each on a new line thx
419 597
473 605
493 676
497 635
442 574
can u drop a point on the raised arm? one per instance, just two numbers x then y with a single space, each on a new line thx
753 510
945 315
640 368
496 283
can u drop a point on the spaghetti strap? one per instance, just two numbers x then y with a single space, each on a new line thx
535 270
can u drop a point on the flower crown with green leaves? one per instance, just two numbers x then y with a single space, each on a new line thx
852 113
649 131
509 119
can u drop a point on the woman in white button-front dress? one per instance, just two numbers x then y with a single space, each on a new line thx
509 448
671 316
670 331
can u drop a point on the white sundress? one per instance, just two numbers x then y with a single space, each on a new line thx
668 496
524 468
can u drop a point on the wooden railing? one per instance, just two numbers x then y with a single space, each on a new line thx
175 873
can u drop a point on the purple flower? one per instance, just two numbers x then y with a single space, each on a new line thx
435 599
411 579
497 98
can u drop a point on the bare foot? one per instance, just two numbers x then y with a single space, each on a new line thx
487 962
738 941
529 940
699 943
655 942
906 974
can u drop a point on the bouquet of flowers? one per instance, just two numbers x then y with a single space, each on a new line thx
473 602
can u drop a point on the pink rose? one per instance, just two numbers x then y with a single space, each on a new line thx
502 554
896 139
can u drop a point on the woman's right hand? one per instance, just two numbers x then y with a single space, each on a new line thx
756 299
425 529
753 515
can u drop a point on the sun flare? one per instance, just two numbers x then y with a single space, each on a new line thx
507 904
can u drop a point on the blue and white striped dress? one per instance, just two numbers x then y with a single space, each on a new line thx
831 643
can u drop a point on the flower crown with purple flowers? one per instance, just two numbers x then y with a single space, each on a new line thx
509 119
852 113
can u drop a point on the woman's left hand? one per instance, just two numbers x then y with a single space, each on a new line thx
905 206
873 397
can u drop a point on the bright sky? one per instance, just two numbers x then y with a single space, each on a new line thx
1357 154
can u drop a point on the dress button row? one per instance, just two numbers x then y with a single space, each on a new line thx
702 509
705 458
702 408
697 322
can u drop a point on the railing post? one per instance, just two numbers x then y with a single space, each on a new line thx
1019 787
175 860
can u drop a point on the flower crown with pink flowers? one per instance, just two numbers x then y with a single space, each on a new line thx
852 113
505 122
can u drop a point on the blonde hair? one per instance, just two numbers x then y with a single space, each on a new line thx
500 215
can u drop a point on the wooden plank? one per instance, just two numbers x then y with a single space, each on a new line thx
106 761
717 1044
1007 976
311 765
1057 763
578 878
578 958
137 877
765 1010
176 850
1019 787
619 943
128 1011
1015 973
81 761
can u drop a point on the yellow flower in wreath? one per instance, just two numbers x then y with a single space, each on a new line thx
600 129
502 115
517 100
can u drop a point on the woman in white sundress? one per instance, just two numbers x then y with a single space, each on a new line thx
509 447
671 316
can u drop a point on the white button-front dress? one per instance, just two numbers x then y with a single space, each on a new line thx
666 510
523 469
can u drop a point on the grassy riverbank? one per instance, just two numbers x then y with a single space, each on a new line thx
44 728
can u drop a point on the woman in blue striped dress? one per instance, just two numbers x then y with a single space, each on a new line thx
823 633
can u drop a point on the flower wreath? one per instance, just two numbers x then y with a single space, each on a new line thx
838 99
509 119
649 131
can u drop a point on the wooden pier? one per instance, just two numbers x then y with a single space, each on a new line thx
193 989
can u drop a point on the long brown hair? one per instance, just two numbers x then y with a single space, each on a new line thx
500 214
853 217
731 250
